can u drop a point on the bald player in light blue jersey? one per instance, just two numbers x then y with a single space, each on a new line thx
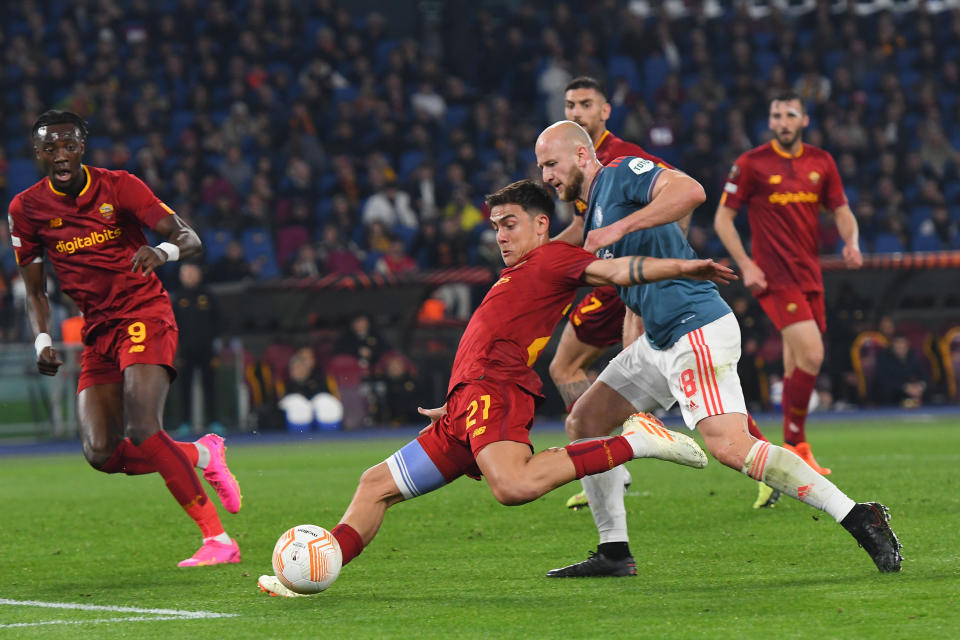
688 355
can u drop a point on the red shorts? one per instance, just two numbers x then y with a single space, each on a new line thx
787 306
116 345
478 413
598 319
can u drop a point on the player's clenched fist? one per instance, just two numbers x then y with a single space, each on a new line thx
147 259
48 361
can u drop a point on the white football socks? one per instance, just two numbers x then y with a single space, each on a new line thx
605 493
203 455
786 472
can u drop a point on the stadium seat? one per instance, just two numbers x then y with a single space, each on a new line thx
655 71
409 160
344 379
624 67
887 243
455 116
215 243
258 248
21 174
863 355
949 348
289 241
926 242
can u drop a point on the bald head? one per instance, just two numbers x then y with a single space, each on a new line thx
567 159
567 135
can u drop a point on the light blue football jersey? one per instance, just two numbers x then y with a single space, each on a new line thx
670 308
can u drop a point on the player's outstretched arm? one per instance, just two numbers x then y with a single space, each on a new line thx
633 270
38 308
182 242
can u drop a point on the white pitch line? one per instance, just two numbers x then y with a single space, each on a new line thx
157 614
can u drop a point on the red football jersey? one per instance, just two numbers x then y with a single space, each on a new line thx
514 322
610 147
90 241
783 195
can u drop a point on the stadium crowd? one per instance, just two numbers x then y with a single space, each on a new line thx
305 138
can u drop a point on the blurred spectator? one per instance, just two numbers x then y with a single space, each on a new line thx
462 209
337 255
395 261
362 341
232 266
389 205
198 318
398 390
304 263
903 380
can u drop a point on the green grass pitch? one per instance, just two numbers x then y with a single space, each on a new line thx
455 564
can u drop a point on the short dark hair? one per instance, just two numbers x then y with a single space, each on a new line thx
55 116
789 96
532 196
586 82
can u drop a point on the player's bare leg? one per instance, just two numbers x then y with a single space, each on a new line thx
100 408
100 414
145 388
802 359
727 439
568 370
376 492
596 414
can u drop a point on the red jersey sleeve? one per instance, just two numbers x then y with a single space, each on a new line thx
736 191
565 264
833 195
23 237
135 196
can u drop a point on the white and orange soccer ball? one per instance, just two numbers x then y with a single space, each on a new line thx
307 559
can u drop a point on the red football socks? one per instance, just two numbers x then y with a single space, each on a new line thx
127 458
177 471
795 411
754 429
349 540
597 456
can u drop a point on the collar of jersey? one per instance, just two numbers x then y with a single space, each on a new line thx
82 191
782 153
602 138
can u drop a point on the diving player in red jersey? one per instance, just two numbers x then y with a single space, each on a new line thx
483 428
784 184
88 222
601 320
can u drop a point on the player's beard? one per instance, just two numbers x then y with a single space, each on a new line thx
786 142
571 189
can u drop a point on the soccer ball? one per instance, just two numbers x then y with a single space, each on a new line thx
307 559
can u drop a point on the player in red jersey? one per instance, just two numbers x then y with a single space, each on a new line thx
784 184
88 222
601 320
483 428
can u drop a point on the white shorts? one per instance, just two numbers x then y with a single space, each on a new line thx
699 371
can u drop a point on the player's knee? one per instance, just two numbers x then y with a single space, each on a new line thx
560 370
514 493
377 485
96 456
810 360
727 453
